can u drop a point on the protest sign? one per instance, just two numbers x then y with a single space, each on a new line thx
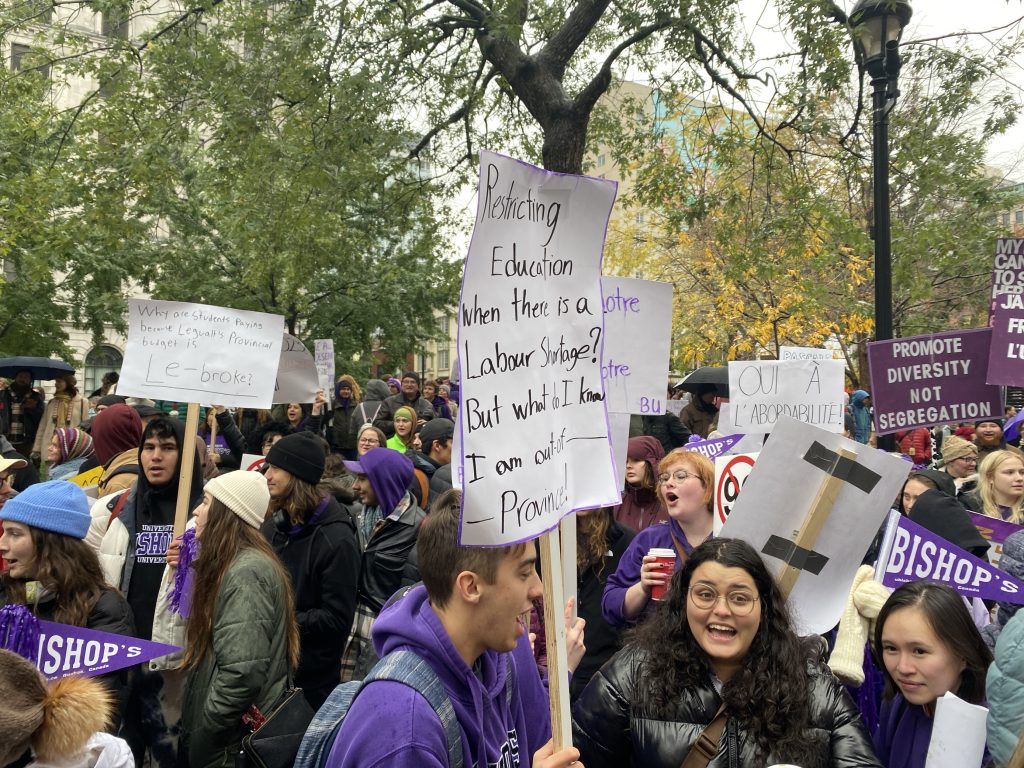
1007 270
297 377
618 433
812 506
323 355
90 477
194 352
910 552
534 430
958 733
252 462
761 392
806 353
1006 352
65 650
923 381
730 474
637 327
719 446
996 531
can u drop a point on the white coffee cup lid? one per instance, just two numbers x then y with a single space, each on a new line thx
662 552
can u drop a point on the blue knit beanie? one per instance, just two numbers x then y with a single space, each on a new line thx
57 505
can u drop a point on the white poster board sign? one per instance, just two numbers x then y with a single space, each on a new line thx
778 497
805 353
252 461
761 392
190 353
618 425
297 377
731 472
637 329
323 355
534 427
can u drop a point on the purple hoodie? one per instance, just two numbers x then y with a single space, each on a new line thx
391 725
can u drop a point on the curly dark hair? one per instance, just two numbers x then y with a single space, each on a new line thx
768 695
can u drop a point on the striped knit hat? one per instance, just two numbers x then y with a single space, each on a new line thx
73 443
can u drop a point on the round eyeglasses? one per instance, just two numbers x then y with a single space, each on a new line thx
680 476
705 598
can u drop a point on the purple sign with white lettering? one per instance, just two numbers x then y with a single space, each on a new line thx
66 650
1006 356
918 554
712 448
922 381
1007 271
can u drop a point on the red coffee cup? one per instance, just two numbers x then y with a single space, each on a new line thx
667 558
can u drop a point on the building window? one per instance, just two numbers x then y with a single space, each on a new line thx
1006 219
115 25
442 328
444 362
600 160
1018 217
22 58
98 361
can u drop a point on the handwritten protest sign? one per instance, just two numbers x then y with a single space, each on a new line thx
1007 270
66 650
534 440
637 327
812 505
297 377
922 381
323 354
191 352
806 353
1006 352
996 531
761 392
731 472
910 552
89 478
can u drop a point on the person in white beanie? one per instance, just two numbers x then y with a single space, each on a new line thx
242 641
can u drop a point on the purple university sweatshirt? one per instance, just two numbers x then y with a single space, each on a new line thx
391 725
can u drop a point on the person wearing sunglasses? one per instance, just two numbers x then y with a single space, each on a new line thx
721 650
685 483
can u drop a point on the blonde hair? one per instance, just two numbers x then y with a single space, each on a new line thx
986 474
357 393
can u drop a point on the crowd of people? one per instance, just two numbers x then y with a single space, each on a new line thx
339 562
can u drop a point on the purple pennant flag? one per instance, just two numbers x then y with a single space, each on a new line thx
996 531
916 554
712 448
66 650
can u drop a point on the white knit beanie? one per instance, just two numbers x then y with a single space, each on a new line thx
244 493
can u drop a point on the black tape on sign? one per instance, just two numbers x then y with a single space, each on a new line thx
845 469
798 557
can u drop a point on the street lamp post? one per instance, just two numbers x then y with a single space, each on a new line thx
879 25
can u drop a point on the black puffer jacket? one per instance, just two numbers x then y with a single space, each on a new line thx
612 732
388 560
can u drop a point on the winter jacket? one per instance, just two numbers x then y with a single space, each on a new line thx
386 559
342 433
385 417
78 411
698 416
666 428
119 473
373 401
66 469
392 725
322 558
916 443
1005 692
246 663
611 729
24 477
30 417
861 416
641 508
232 439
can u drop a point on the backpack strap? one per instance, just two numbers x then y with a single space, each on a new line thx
118 505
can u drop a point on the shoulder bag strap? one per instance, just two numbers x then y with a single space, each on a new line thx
680 549
705 748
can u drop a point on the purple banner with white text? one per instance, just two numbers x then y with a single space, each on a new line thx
67 650
1007 271
996 531
712 448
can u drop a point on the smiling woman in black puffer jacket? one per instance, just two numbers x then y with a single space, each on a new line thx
723 638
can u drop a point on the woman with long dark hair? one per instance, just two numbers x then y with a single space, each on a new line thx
721 648
241 638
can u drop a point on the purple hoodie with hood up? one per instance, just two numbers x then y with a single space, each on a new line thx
391 725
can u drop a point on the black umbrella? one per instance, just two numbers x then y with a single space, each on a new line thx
41 367
717 376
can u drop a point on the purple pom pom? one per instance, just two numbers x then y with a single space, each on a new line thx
181 593
19 631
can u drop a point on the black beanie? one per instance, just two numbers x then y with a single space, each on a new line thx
301 454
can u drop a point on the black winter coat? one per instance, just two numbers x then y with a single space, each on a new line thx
388 561
611 731
322 560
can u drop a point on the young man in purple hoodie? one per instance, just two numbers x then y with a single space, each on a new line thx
464 622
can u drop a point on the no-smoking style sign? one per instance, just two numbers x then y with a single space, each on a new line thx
730 474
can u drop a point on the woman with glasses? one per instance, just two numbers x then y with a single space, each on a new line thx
720 652
685 483
1000 491
960 461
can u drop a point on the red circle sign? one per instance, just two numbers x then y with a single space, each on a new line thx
730 482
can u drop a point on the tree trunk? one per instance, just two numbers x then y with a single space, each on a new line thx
565 142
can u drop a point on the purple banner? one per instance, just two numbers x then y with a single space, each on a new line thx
712 448
922 381
66 650
1007 270
995 530
1006 356
918 554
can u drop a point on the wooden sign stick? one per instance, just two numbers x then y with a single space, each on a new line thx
557 644
813 523
188 458
567 540
213 430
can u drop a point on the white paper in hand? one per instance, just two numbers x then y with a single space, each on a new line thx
958 734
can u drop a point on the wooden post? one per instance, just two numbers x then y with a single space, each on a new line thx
813 523
188 458
567 539
554 634
213 431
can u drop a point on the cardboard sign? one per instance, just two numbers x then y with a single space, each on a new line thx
532 412
297 377
719 446
923 381
637 327
1007 271
995 531
1006 353
193 352
323 355
731 472
761 392
911 552
252 462
89 478
65 650
806 353
812 506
